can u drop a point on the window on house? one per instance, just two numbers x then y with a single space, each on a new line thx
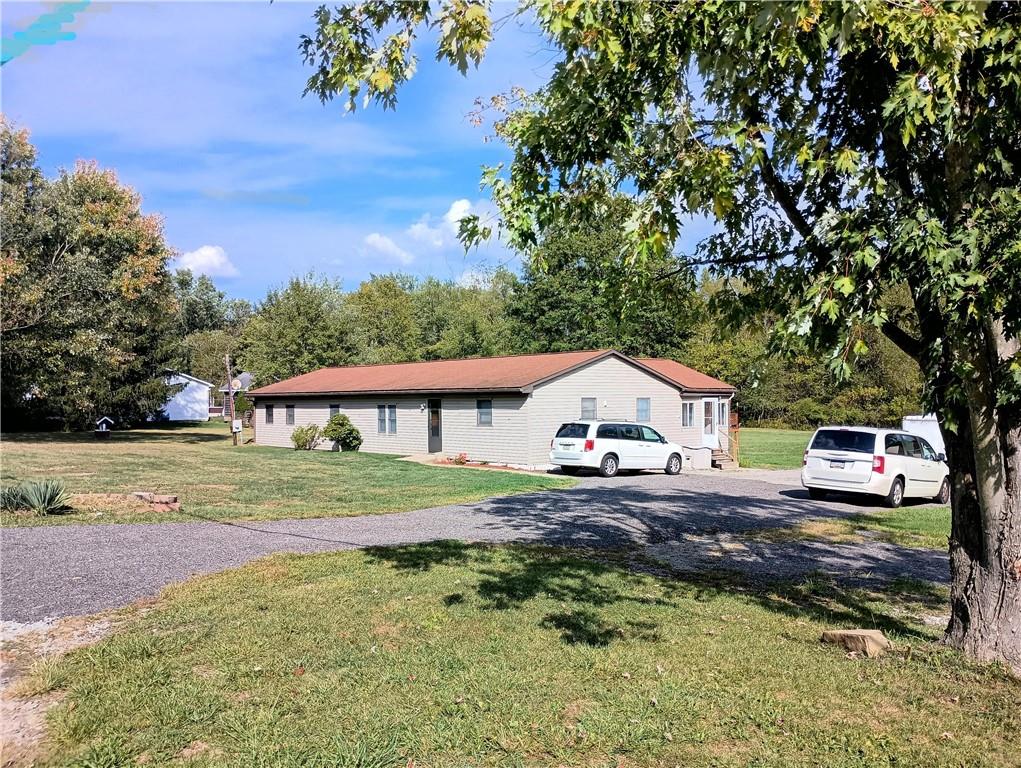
392 414
289 414
269 414
687 414
484 410
722 420
381 418
643 409
334 409
588 407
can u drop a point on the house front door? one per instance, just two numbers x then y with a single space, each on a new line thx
435 427
710 429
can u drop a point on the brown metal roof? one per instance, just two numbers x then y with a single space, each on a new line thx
513 373
687 378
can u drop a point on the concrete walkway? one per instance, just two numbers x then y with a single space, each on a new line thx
54 571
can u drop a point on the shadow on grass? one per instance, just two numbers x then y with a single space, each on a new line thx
588 587
177 432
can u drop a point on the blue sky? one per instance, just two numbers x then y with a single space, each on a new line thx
198 107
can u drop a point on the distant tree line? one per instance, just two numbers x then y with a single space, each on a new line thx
93 318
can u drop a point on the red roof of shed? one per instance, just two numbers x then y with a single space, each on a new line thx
512 373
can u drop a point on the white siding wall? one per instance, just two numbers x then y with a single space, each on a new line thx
411 434
191 403
616 385
506 441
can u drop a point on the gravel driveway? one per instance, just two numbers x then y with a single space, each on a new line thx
694 521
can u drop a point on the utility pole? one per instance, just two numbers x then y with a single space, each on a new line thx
230 397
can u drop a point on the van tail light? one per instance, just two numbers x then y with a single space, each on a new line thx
878 464
590 445
804 459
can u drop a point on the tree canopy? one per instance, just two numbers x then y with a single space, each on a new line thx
842 149
87 306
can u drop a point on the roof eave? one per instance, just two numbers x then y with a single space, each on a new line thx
396 392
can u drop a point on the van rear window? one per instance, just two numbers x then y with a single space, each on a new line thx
844 440
573 430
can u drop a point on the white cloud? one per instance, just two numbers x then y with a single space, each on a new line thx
475 277
442 233
388 247
209 260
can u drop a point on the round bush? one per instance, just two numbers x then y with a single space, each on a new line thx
343 433
306 438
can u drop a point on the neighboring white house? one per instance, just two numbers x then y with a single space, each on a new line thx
501 409
192 402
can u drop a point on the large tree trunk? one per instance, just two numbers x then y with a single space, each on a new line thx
985 539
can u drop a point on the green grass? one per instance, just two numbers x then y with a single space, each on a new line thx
773 448
452 655
216 480
924 527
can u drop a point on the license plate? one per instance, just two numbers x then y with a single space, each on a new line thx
836 465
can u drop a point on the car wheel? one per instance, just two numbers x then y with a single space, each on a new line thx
569 470
896 495
673 464
609 466
817 493
943 497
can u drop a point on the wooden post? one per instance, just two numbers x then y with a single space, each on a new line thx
735 436
230 397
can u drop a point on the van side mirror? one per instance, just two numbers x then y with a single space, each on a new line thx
941 457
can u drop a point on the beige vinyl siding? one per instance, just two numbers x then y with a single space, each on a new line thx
410 438
505 441
616 385
690 436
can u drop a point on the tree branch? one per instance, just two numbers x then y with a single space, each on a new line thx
904 341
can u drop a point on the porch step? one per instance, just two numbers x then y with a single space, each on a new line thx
722 460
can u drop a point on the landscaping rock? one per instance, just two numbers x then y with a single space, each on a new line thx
870 642
155 498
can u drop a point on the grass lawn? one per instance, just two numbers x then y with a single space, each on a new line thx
773 448
214 479
446 654
925 526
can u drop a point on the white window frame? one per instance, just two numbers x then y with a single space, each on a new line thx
269 413
391 419
289 415
723 415
595 407
688 414
638 412
381 419
479 410
334 409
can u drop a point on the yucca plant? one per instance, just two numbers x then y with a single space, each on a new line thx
11 499
45 497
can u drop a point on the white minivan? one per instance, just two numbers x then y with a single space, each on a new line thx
881 462
611 446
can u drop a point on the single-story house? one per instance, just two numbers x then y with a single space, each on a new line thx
218 405
500 409
244 379
191 403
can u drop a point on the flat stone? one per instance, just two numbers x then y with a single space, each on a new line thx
870 642
155 498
